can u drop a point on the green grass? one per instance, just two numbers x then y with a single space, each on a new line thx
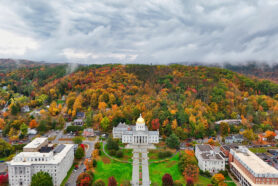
231 184
157 170
258 150
127 154
68 175
121 171
3 159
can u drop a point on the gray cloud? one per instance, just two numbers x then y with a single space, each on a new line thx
153 31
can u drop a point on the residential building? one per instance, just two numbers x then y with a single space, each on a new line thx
238 138
229 121
209 159
250 170
89 132
138 134
78 122
25 109
56 162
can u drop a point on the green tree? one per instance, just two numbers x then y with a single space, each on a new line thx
112 144
41 179
224 129
23 129
5 148
173 142
79 153
89 118
77 140
105 123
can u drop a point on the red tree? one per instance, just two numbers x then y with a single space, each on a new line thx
167 180
4 179
112 181
155 124
189 182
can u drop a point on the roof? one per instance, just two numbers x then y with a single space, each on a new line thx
253 163
211 156
229 121
204 148
78 120
35 143
23 158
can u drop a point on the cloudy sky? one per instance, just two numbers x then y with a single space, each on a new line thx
132 31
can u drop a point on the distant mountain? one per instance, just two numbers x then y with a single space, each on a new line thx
262 71
11 64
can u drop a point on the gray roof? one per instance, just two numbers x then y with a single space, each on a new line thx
204 148
211 156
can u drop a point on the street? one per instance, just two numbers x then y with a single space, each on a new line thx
72 179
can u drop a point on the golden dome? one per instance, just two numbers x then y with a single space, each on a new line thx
140 120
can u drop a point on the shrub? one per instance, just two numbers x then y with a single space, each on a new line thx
99 183
164 154
97 145
224 173
119 154
205 173
167 180
94 163
112 144
112 152
99 152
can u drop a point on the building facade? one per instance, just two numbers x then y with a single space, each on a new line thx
208 159
56 162
250 170
138 134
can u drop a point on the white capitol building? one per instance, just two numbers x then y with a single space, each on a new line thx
140 139
137 135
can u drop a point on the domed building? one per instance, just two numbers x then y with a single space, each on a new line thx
137 135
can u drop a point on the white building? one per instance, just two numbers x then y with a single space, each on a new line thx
251 170
208 159
56 162
138 134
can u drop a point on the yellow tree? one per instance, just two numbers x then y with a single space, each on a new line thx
53 110
174 124
218 179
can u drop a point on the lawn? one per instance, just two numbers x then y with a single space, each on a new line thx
121 171
157 170
258 150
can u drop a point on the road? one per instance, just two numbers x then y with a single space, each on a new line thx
72 179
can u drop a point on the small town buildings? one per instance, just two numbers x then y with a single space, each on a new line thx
32 131
89 132
250 170
79 122
209 159
25 109
229 121
238 138
80 115
138 134
37 156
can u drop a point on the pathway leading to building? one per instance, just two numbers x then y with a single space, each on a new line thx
140 159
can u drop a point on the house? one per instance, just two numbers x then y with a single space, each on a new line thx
89 132
238 138
229 121
32 131
80 115
79 122
209 159
35 113
25 109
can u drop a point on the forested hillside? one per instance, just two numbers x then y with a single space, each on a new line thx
184 99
